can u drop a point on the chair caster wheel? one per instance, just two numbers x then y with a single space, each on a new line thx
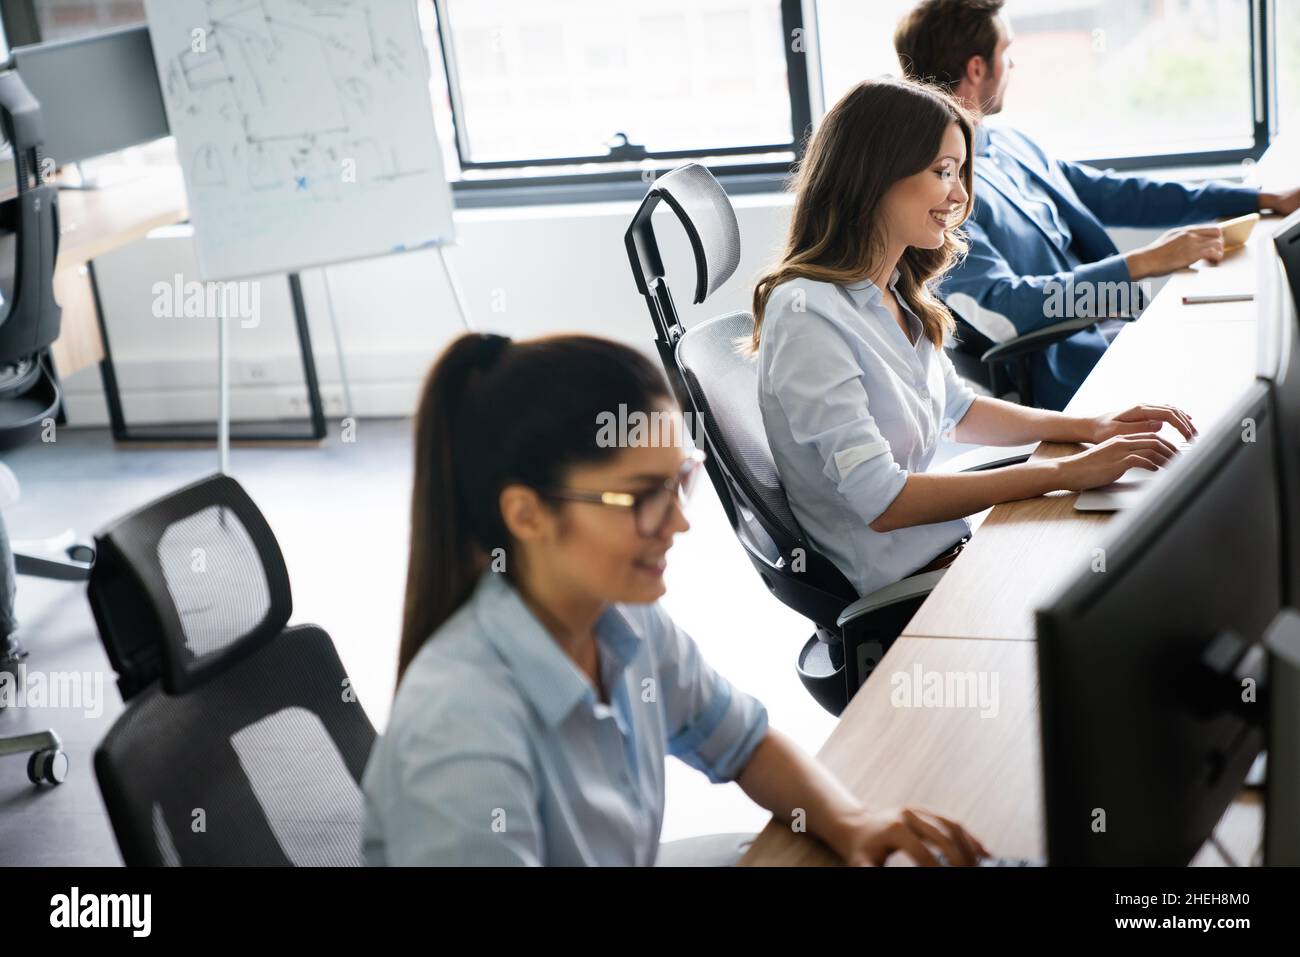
48 767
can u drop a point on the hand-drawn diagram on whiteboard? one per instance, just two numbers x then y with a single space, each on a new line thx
305 130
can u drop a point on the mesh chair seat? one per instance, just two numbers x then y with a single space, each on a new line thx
259 766
722 381
724 385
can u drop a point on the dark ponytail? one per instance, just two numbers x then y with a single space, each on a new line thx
494 412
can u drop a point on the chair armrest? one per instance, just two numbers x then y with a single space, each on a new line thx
909 589
1042 338
1015 458
986 457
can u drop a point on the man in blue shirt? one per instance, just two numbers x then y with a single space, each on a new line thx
1039 250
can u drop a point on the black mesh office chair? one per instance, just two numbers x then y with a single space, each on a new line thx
718 384
242 742
30 398
30 395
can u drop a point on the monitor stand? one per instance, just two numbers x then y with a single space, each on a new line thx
1282 792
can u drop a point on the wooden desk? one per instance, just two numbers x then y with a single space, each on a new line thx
983 770
986 770
1199 358
94 222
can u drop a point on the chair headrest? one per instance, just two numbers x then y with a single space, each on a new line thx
706 214
188 585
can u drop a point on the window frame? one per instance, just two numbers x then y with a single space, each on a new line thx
797 76
804 72
1263 92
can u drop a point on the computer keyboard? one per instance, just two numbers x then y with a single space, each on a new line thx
1010 862
996 861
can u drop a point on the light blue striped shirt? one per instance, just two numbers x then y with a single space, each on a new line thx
850 408
499 752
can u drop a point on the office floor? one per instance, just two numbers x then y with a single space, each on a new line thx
340 513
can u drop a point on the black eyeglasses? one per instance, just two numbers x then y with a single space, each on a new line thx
650 508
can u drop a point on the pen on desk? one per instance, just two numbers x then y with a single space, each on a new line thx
1230 297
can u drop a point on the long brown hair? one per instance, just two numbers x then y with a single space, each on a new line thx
494 412
879 132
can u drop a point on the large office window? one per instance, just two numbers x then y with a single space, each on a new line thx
573 92
1287 24
855 41
604 83
1146 78
1094 79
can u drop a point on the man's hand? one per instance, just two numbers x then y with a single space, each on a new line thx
1283 204
1176 249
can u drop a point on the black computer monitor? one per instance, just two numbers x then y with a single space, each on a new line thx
1279 318
1142 752
98 94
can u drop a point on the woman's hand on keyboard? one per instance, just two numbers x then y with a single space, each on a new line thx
1140 419
868 839
1105 463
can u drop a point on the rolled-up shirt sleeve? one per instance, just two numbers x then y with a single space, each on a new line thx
819 387
711 725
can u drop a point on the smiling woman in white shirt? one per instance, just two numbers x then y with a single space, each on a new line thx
854 383
540 684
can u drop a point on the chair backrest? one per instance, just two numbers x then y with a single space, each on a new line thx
29 245
242 741
29 315
723 385
187 585
717 382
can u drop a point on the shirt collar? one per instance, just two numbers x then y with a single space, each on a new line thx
981 143
867 293
553 684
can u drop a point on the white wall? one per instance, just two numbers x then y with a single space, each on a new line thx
525 272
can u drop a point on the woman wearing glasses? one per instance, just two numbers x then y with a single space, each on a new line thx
540 686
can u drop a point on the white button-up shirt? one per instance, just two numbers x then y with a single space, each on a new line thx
851 407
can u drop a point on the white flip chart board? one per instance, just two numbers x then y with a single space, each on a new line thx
305 130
